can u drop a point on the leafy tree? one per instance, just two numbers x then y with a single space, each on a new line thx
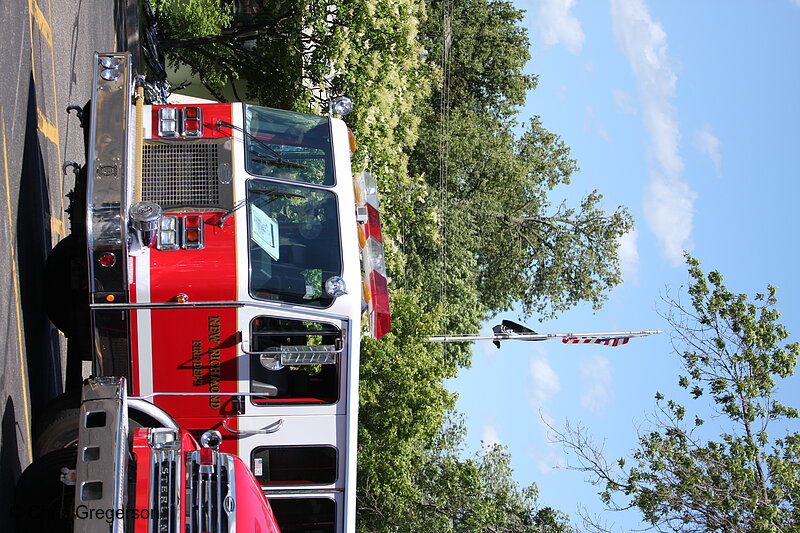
457 494
505 239
402 403
482 48
485 234
683 477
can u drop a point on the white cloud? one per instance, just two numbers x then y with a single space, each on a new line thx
548 461
544 386
629 257
489 436
596 377
668 208
545 383
669 201
707 144
556 25
623 102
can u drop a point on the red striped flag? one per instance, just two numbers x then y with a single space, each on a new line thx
605 341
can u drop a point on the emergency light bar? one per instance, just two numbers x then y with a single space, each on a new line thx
370 239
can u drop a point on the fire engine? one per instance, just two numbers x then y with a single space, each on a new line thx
220 261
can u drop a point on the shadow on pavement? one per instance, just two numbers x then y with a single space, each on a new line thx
34 243
10 467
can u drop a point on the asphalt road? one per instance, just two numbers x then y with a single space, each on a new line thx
46 65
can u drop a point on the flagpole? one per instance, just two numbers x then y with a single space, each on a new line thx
542 336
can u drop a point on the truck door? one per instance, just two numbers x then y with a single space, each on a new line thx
296 433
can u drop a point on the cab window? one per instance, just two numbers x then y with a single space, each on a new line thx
294 244
294 465
298 361
304 515
288 146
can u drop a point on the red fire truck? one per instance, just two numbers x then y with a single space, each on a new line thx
221 258
110 475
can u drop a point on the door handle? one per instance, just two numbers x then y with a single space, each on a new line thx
272 428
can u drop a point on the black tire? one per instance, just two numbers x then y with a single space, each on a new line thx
60 302
41 501
57 429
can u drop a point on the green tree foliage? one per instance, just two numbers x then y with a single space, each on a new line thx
457 494
487 50
492 238
500 223
402 402
194 20
684 477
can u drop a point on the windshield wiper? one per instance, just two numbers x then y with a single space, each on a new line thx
276 158
219 220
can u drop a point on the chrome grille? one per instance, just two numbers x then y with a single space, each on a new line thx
165 498
210 494
178 174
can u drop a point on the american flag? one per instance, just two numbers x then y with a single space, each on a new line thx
605 341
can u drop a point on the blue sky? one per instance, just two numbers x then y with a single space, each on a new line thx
687 113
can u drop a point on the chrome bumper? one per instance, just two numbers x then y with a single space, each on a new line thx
109 192
101 471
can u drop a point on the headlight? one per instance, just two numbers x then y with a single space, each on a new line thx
161 438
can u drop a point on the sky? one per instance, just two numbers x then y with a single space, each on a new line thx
687 113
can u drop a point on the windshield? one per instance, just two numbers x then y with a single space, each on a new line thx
288 146
294 242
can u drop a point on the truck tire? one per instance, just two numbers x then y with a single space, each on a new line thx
60 432
41 501
57 428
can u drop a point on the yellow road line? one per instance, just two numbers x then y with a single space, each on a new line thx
57 141
57 227
41 21
30 35
49 129
23 363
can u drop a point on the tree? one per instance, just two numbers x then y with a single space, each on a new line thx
482 48
458 494
402 404
502 232
686 478
298 54
486 236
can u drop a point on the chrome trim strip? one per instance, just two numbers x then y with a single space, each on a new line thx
165 494
206 497
165 305
318 313
221 393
